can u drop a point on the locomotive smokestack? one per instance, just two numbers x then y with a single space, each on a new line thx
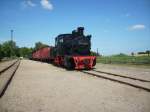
80 30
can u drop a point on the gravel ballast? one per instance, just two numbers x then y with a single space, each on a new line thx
42 87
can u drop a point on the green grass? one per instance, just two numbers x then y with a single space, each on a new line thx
123 59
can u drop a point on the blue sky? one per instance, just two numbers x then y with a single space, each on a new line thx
115 25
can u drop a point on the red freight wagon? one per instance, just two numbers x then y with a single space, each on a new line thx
35 55
43 54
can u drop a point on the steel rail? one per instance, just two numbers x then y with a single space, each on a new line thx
133 78
3 70
115 80
4 88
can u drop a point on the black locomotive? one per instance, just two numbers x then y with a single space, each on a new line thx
72 50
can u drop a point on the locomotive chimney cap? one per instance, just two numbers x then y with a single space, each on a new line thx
80 28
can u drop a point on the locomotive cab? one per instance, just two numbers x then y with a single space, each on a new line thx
73 44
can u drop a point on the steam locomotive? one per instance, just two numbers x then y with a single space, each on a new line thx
71 50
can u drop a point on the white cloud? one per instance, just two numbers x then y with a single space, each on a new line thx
30 3
137 27
27 3
46 4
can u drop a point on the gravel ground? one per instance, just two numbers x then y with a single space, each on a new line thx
127 80
41 87
5 77
141 73
6 64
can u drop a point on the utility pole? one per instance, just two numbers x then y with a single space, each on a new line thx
97 51
11 34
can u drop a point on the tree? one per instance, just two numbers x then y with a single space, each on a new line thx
8 49
141 52
120 55
39 45
94 53
17 51
132 53
1 52
25 52
148 52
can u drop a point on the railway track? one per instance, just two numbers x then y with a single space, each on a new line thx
122 79
7 67
6 75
